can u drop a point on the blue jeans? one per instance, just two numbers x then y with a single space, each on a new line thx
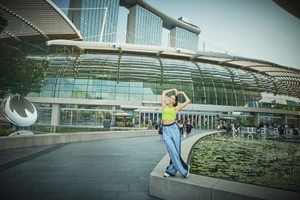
171 136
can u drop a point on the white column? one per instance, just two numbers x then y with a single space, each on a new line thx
200 117
192 120
71 117
55 116
215 122
139 119
208 121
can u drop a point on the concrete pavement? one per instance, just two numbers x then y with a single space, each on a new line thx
114 169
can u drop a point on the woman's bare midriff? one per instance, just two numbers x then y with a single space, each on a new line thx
167 122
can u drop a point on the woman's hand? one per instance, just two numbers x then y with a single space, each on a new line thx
187 101
176 91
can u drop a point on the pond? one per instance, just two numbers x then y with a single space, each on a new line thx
262 162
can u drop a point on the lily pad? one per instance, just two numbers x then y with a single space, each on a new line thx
269 163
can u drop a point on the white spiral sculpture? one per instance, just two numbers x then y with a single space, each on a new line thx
19 111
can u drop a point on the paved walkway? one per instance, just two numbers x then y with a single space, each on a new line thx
116 169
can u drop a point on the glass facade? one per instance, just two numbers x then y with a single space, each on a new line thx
144 27
143 78
89 20
44 112
84 115
181 38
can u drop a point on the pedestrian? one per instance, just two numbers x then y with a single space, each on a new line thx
258 130
156 125
281 129
188 128
218 127
172 134
224 126
150 124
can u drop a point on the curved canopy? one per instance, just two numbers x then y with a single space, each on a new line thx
23 25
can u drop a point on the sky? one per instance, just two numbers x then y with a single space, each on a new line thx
257 29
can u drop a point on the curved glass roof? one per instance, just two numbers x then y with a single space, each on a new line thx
116 76
268 77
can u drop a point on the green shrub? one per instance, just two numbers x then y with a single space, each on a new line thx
6 132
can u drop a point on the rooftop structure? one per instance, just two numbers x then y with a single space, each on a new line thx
144 27
168 22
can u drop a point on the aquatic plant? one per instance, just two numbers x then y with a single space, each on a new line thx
263 162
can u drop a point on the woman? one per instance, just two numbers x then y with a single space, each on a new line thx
172 134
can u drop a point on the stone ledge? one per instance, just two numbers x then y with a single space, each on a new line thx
207 188
50 139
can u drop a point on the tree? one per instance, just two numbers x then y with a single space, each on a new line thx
19 74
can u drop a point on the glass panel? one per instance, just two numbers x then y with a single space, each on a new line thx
79 95
134 90
136 97
149 98
44 116
110 96
80 87
81 81
65 94
123 90
122 96
108 88
46 94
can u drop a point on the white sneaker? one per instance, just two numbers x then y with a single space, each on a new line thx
189 167
166 175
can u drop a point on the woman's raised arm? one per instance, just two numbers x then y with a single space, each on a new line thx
187 101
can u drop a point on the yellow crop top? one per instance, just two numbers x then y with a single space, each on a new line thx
169 113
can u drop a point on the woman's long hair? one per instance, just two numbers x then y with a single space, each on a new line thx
176 99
